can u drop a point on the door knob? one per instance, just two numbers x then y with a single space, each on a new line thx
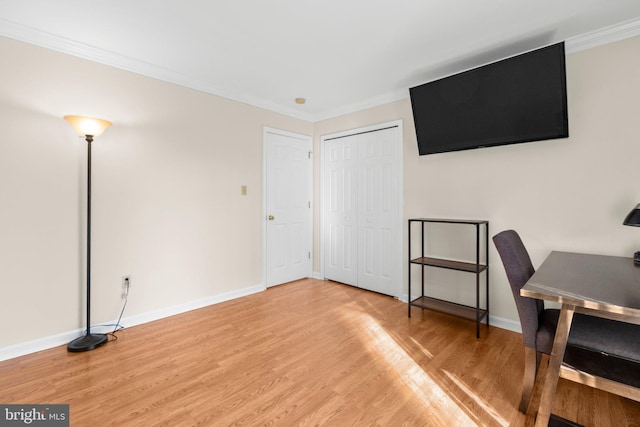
271 218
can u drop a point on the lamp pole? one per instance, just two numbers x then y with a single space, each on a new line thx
89 139
89 128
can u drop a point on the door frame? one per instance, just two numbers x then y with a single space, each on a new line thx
308 140
399 221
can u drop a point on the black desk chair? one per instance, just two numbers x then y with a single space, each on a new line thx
609 350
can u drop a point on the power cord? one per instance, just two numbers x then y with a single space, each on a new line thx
117 326
124 305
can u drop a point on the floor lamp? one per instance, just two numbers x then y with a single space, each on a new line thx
88 128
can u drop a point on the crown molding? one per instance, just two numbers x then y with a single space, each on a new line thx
376 101
40 38
599 37
47 40
602 36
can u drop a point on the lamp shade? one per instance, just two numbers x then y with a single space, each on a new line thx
88 125
634 217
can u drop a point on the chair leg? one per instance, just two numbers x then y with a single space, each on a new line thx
530 369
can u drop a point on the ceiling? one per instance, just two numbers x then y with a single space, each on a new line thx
341 55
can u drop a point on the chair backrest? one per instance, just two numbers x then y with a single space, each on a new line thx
517 264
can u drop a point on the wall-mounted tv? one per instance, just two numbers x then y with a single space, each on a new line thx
518 99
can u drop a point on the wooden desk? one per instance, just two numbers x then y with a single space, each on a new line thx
596 285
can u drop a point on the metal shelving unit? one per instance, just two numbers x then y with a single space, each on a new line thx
468 312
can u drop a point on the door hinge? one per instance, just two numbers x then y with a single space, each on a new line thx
309 205
309 255
310 153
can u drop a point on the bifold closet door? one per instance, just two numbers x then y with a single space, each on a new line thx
341 210
378 211
361 210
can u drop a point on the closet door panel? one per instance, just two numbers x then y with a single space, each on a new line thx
341 246
378 211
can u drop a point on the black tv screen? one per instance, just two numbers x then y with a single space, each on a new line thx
518 99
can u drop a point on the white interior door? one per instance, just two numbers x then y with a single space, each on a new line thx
288 215
361 199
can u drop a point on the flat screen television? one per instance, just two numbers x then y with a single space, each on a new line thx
519 99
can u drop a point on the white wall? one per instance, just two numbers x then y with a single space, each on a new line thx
565 194
167 207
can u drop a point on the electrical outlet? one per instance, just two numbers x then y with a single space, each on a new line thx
126 283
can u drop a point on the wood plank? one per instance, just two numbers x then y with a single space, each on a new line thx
450 264
307 353
455 309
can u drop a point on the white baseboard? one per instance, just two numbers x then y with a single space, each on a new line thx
317 275
45 343
192 305
504 323
39 344
498 322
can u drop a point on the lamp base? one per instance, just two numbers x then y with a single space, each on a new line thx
87 342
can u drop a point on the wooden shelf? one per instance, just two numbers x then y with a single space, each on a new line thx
471 267
448 307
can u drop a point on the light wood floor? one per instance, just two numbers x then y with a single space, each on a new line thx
305 353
